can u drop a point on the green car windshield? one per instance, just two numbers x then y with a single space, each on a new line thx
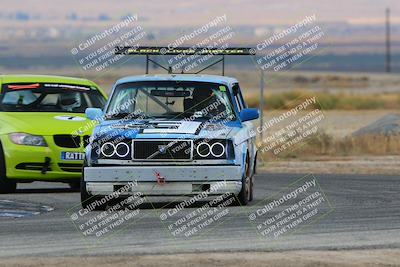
49 98
171 100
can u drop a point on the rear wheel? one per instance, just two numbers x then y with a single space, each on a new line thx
6 185
88 201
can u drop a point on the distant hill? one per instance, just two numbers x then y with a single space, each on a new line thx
189 13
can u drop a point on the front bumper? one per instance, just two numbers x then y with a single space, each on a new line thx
25 162
168 189
178 180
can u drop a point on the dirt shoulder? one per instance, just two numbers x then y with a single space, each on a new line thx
336 165
354 258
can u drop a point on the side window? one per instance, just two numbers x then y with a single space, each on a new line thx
19 97
242 99
238 97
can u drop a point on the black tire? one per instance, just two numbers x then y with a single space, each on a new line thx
6 185
75 185
88 200
252 179
245 194
251 190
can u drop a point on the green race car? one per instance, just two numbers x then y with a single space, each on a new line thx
43 130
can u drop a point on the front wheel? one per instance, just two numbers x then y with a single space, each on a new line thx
6 185
246 193
88 201
75 185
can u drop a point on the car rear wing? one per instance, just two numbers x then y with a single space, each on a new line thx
184 51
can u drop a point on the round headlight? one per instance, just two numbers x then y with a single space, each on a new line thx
217 150
203 149
122 149
108 149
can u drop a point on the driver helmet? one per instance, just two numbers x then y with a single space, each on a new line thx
69 101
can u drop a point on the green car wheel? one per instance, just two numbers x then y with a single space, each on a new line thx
75 185
88 201
6 186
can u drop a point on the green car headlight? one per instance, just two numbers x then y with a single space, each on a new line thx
27 139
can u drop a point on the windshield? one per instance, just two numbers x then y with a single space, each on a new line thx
49 98
171 100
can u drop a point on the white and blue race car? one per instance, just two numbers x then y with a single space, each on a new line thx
172 135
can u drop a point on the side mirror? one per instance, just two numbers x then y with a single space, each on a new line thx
248 114
94 114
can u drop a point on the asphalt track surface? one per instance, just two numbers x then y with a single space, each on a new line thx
363 212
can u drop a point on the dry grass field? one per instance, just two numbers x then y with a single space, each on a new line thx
354 258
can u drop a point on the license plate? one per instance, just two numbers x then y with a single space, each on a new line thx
72 155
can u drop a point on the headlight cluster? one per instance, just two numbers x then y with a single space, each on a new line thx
205 149
27 139
213 149
202 149
113 150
